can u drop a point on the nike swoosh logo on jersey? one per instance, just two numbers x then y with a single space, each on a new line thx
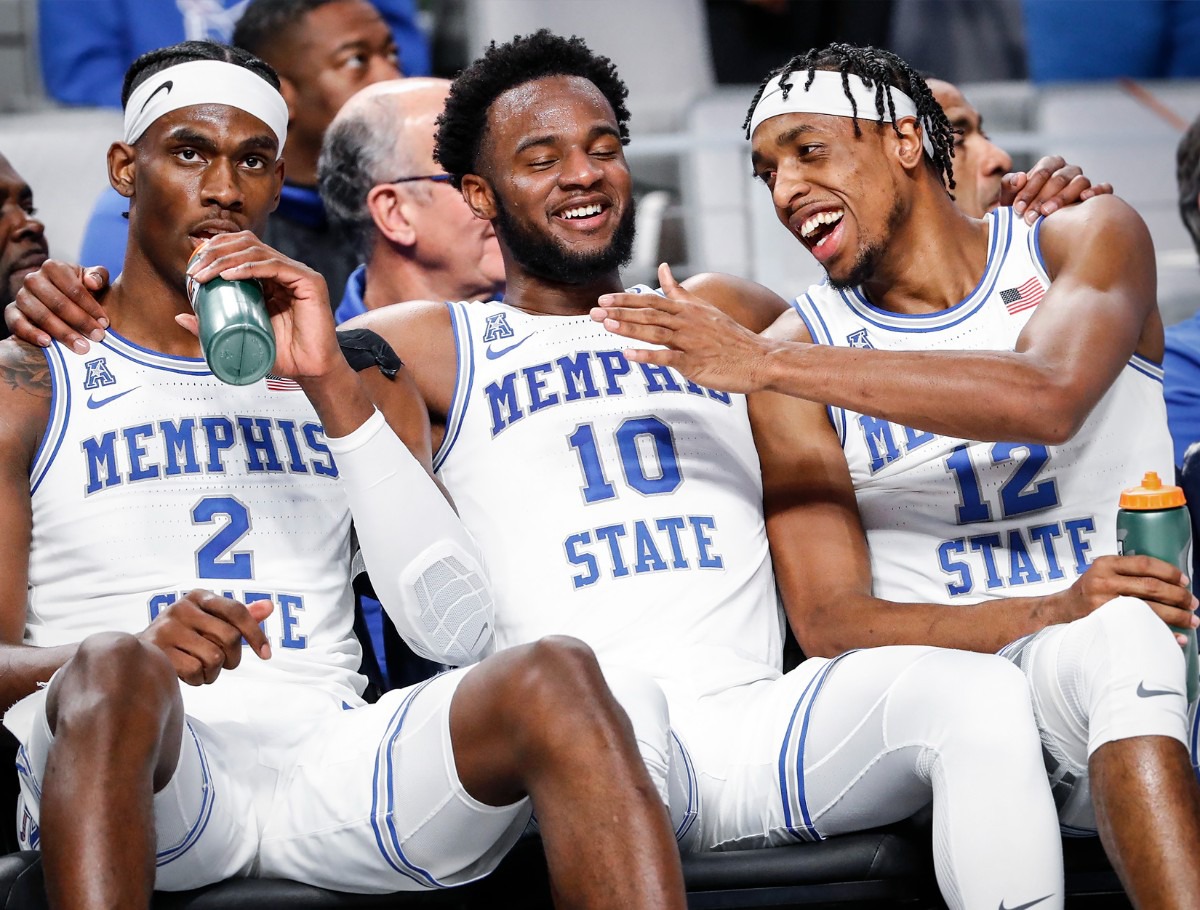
93 402
493 353
1024 906
1143 692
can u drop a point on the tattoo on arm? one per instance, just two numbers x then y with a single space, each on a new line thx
23 368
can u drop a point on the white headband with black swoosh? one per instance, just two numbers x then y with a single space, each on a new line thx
827 95
205 82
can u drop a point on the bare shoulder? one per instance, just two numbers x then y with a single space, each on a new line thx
24 369
25 392
1098 228
419 331
751 304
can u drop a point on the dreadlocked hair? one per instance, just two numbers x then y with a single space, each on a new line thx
462 124
883 71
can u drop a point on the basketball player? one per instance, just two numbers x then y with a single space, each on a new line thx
939 340
133 479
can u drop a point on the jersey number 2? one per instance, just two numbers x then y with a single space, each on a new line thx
214 559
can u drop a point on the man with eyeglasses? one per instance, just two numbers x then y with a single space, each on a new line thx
417 239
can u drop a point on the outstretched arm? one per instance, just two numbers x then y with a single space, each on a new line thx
822 562
1099 310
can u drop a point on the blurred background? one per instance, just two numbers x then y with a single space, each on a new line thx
1108 84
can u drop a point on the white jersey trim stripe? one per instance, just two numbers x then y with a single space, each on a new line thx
383 821
807 310
464 379
189 366
206 806
1000 230
1147 367
693 797
1034 239
60 411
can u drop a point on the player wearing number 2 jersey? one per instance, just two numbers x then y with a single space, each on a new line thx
157 751
978 395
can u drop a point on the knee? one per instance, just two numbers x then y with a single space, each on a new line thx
1130 626
982 698
95 686
554 688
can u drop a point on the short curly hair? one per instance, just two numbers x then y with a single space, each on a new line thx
463 124
1187 175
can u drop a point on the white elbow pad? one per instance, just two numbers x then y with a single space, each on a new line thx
424 565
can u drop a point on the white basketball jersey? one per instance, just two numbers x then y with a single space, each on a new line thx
957 521
613 501
155 478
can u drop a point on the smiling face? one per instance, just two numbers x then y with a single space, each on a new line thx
196 172
978 162
553 177
22 236
842 196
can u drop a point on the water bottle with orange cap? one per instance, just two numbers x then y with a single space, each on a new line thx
1153 521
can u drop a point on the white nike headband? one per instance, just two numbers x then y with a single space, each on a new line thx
205 82
828 95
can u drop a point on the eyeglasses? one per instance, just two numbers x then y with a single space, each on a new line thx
435 178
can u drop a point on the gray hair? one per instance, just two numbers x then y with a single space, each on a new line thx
362 148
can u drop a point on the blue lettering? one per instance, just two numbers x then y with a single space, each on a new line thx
703 541
256 436
610 534
575 371
160 602
586 560
955 566
723 397
289 606
614 364
295 463
881 444
537 386
179 442
673 526
314 435
1045 535
219 433
648 557
1079 546
137 452
914 439
502 399
987 544
659 379
1021 568
101 457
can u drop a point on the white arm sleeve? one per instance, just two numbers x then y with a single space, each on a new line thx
424 565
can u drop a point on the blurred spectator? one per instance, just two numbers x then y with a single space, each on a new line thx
1104 39
86 45
324 52
1181 363
750 37
978 163
22 237
978 41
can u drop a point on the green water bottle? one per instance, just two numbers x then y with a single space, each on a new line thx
235 332
1153 521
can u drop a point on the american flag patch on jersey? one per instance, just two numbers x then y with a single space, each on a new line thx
1027 295
279 384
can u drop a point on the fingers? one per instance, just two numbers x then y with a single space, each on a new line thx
202 633
1046 181
189 322
1097 189
1010 185
55 302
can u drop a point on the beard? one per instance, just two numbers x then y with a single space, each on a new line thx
542 255
871 253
